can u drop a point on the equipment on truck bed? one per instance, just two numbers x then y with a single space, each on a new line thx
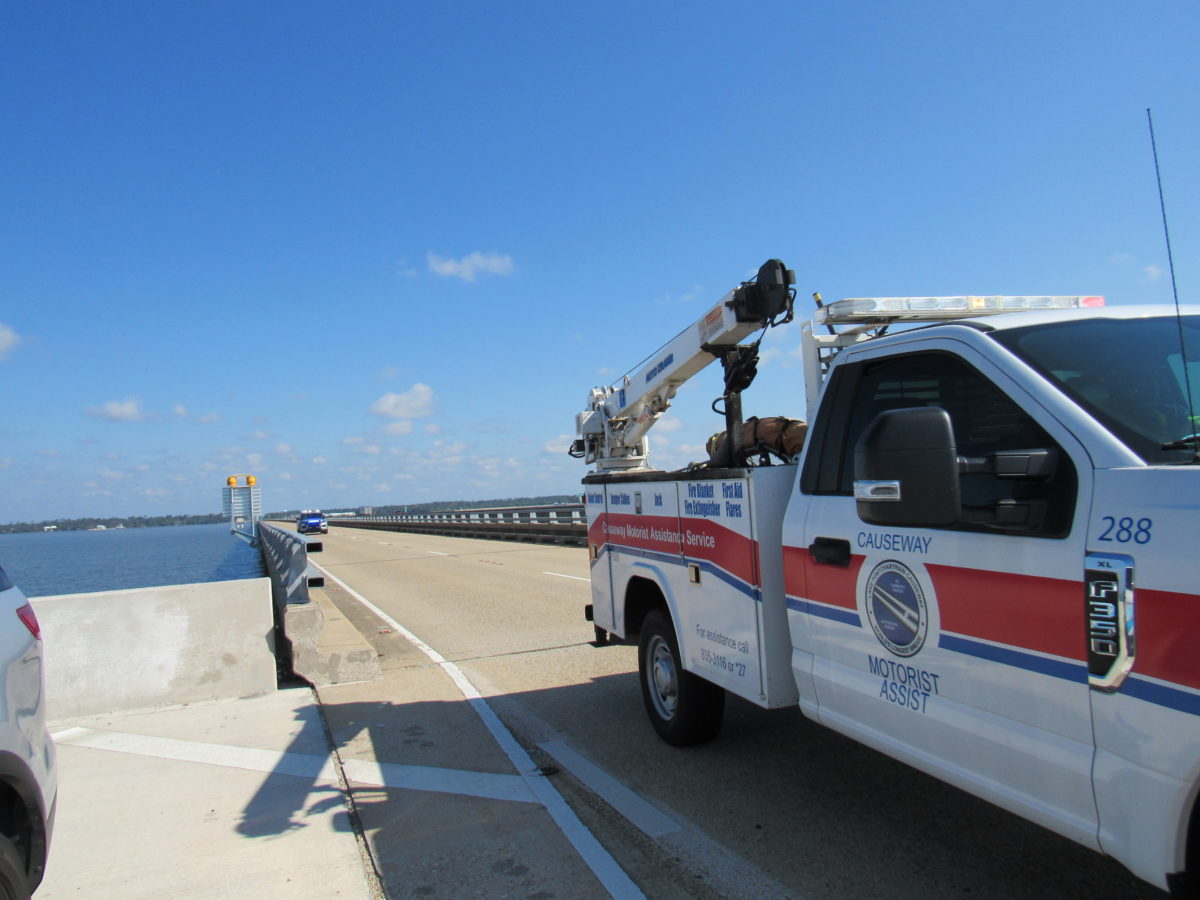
613 427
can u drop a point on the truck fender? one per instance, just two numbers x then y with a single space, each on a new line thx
639 597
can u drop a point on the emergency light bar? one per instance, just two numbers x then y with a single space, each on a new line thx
857 310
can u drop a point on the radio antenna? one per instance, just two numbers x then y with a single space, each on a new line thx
1162 205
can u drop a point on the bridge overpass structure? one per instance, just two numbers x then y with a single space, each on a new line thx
562 523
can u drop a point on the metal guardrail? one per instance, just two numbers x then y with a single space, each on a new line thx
564 523
286 555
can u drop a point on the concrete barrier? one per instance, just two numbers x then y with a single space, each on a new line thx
159 646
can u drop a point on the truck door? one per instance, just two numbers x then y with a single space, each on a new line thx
957 649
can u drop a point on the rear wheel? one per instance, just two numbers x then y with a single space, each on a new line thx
13 885
683 708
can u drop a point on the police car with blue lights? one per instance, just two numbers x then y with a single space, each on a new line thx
974 554
312 522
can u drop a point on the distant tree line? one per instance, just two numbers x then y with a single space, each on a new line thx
87 524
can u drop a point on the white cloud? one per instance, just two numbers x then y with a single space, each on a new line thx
128 410
283 449
691 295
415 403
209 418
351 441
5 462
319 460
180 410
433 429
285 476
396 429
8 340
471 265
668 423
259 435
558 444
1151 273
255 459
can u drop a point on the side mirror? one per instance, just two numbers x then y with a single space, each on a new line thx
906 469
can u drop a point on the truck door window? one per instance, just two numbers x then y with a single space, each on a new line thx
985 420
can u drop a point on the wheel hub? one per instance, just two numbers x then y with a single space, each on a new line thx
664 674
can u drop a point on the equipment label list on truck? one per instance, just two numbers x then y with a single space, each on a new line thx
702 500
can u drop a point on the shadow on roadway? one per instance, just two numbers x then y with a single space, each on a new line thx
821 814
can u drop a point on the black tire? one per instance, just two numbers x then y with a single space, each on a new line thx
683 708
13 883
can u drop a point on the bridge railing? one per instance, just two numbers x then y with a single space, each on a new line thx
286 556
564 523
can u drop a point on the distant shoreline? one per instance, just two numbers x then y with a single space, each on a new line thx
106 524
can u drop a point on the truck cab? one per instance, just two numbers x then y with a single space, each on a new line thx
986 559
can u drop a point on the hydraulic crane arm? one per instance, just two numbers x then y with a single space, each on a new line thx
611 430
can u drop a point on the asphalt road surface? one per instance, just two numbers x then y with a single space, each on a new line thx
776 805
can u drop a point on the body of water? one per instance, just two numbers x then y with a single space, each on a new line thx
72 562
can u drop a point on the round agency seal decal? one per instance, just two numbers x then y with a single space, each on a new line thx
896 608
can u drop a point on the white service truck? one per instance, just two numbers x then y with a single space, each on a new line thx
982 562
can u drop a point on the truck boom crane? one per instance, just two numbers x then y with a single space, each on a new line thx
612 428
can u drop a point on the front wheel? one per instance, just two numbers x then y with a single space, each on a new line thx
683 708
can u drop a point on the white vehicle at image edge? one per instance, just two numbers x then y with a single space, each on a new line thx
945 568
28 763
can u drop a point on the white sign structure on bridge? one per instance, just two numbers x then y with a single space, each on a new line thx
241 504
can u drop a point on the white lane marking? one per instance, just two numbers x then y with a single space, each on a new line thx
561 575
646 817
488 785
303 765
437 553
599 860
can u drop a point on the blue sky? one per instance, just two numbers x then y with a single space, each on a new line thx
379 252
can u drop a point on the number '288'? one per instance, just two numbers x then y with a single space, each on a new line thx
1126 529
